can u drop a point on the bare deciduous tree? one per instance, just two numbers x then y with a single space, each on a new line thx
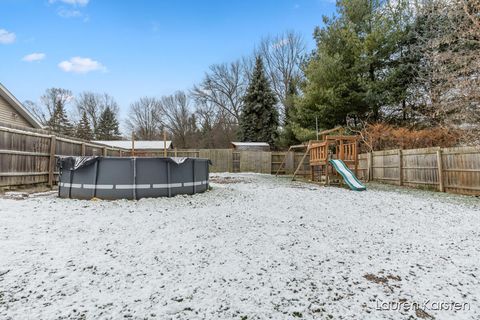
215 131
206 114
449 44
50 100
223 86
178 119
94 104
145 119
472 10
283 56
39 112
55 102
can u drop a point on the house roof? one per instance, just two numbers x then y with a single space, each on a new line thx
7 95
250 144
139 144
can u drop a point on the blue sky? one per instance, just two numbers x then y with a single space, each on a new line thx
131 49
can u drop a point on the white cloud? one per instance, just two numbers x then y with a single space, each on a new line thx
71 8
67 13
80 3
36 56
81 65
7 37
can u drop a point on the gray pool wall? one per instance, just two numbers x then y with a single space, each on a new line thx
134 178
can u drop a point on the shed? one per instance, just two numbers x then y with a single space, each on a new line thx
251 146
12 112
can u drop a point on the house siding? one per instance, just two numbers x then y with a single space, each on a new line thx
10 116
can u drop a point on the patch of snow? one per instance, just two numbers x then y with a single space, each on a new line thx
258 246
251 144
16 195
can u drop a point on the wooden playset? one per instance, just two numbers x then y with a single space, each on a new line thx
329 147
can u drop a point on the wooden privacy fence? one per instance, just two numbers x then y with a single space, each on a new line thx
229 160
455 170
28 157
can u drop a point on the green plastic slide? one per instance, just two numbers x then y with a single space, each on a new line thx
348 175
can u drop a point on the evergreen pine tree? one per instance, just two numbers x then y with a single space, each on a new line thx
259 118
287 135
83 130
361 66
108 126
59 122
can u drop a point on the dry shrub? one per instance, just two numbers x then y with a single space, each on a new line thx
382 136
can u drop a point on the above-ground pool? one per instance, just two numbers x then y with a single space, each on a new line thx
131 178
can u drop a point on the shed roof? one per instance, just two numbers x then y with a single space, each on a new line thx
139 144
24 112
250 144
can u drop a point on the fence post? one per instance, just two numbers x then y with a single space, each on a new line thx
230 161
51 165
441 184
370 166
400 167
83 149
105 151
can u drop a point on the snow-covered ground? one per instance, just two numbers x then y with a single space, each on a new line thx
254 247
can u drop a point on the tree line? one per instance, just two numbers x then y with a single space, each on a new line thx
403 63
96 114
407 63
242 100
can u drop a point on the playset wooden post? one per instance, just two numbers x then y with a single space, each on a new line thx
356 158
